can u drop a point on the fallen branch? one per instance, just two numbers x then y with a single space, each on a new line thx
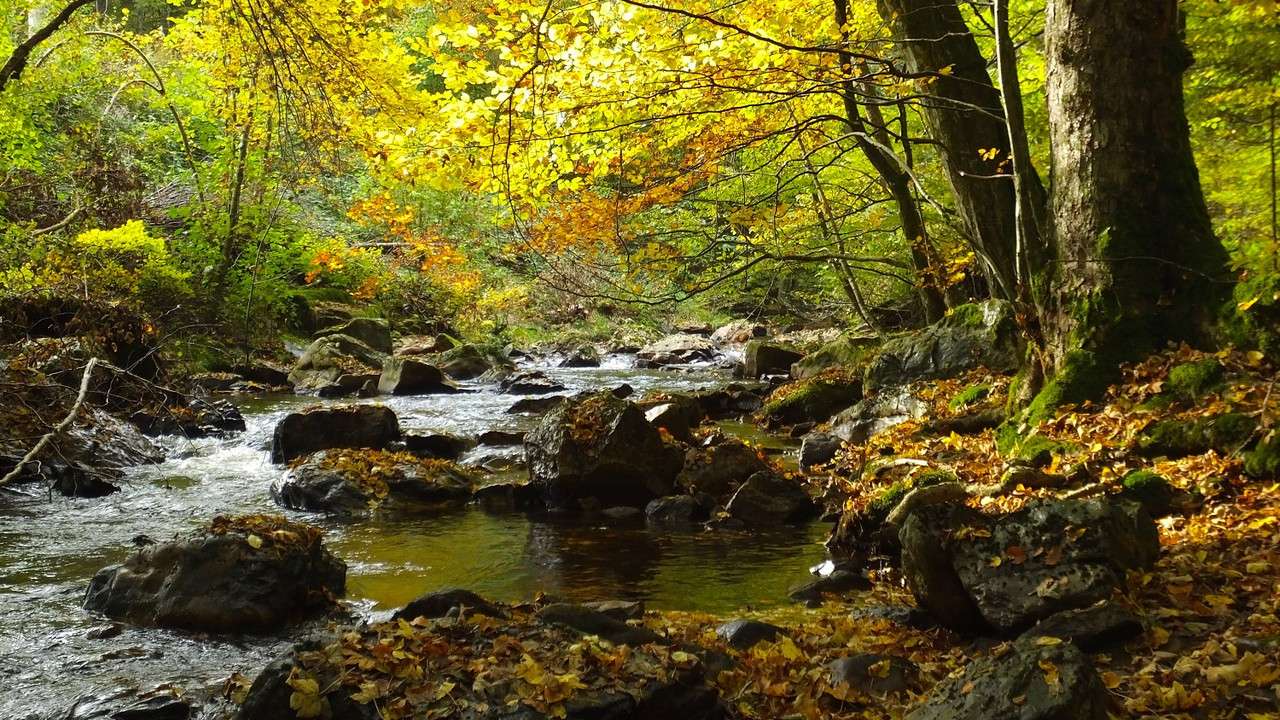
66 422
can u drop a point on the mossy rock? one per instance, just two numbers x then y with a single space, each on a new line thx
890 497
1188 383
846 351
1258 325
813 400
1147 487
1224 434
1264 460
969 396
1034 449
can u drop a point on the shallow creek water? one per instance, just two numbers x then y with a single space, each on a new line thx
53 656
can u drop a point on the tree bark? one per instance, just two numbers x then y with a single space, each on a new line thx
965 117
1137 263
21 54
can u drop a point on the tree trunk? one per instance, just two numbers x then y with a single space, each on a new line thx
965 117
1137 263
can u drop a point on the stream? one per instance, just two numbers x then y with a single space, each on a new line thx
58 661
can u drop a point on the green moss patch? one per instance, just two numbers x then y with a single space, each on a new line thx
1227 433
969 396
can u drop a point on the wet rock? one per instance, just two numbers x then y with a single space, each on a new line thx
623 513
737 332
817 448
989 686
813 400
223 579
599 446
530 382
730 402
581 357
980 334
593 622
1070 554
346 483
721 469
370 332
875 414
410 376
768 358
467 362
536 405
693 327
438 603
620 610
355 426
196 418
679 416
215 382
501 438
767 499
336 365
678 350
745 634
872 674
1090 629
507 497
79 480
441 446
674 510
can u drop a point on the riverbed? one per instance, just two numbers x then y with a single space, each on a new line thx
54 656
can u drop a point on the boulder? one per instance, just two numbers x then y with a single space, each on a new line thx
600 446
411 376
581 357
745 634
440 446
679 349
535 405
1009 572
370 332
980 334
501 438
530 382
352 482
254 574
593 622
439 603
817 448
674 510
507 497
720 469
468 361
813 400
737 332
1031 682
355 426
414 345
729 402
768 499
264 373
336 365
693 327
872 674
679 415
877 413
768 358
847 351
1091 629
194 419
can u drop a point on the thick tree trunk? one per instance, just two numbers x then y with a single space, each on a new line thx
965 117
1137 262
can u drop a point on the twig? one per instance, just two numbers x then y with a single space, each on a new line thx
66 422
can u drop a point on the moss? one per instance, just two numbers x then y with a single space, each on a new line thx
814 399
969 396
1083 376
1191 381
1264 460
1225 434
888 499
1149 488
968 315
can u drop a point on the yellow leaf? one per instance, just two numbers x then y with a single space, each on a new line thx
254 541
880 669
994 561
1247 304
1047 640
1110 680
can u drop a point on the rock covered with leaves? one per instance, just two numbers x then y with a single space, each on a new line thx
600 446
335 366
354 481
238 574
532 664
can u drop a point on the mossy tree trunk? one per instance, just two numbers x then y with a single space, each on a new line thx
1136 263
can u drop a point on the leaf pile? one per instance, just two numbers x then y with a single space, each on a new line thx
280 532
372 470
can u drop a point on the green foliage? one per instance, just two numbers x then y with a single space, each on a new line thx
969 396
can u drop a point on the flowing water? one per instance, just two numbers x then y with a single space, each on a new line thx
56 660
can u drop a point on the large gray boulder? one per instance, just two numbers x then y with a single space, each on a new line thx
468 361
1033 681
981 334
354 426
233 577
336 365
600 446
844 351
767 498
372 332
1009 572
877 413
720 469
411 376
763 357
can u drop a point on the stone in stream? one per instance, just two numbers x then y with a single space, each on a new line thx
581 357
530 382
817 448
763 357
1032 681
600 446
355 426
442 446
720 469
411 376
354 482
468 361
370 332
678 349
336 365
767 498
439 603
255 574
